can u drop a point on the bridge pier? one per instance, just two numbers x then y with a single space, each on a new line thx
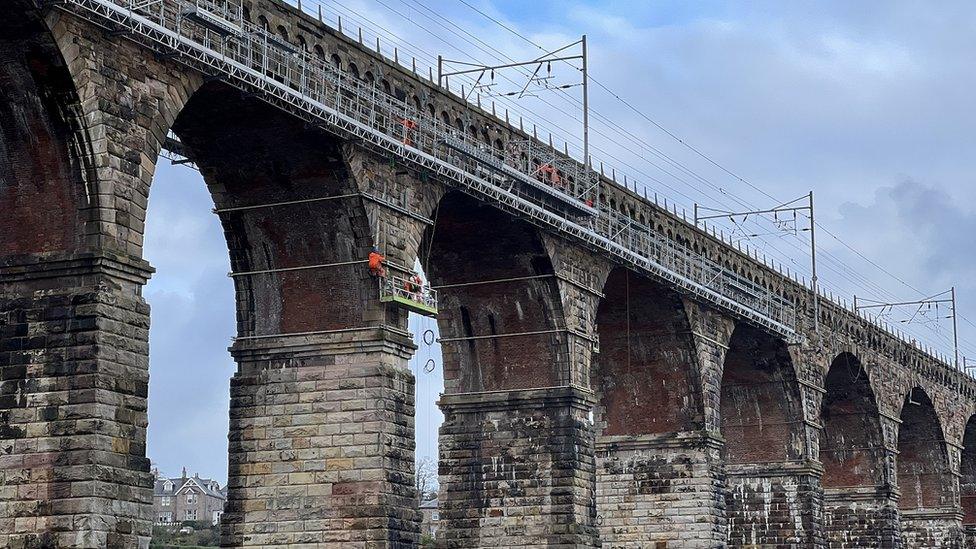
517 442
860 517
73 384
936 528
516 469
321 443
774 496
80 131
660 489
774 504
659 476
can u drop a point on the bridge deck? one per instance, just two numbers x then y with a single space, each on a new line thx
214 38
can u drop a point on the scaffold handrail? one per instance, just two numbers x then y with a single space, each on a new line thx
409 291
297 81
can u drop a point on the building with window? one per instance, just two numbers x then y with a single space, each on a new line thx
430 518
176 500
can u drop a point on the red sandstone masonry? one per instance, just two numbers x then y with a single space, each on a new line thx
72 346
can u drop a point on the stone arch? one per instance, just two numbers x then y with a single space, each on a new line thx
761 410
248 170
857 504
299 233
923 472
472 243
761 421
45 153
644 375
967 480
507 370
851 445
648 394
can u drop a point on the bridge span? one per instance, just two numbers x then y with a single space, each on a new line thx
615 376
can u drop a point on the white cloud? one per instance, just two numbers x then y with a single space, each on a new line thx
867 103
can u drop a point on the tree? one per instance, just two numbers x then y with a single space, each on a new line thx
426 479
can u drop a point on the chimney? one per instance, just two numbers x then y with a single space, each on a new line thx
184 473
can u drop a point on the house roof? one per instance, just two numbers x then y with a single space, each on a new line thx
207 486
429 504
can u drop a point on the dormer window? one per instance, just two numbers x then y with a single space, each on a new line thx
168 486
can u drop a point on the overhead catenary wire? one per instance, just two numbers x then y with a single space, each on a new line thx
673 189
833 264
797 267
704 156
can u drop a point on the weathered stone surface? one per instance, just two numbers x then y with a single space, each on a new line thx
586 405
73 386
321 447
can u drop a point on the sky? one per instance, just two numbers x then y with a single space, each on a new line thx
867 104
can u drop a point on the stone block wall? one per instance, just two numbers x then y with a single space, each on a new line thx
774 506
515 470
856 518
322 442
73 386
660 491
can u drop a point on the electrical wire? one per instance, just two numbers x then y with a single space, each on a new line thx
706 157
833 264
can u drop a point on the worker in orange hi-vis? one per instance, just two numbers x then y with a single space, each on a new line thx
376 260
550 174
408 127
413 286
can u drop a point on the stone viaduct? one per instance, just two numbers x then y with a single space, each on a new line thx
587 403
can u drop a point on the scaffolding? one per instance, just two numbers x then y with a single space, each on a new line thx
212 36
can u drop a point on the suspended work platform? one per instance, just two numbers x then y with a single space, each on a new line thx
528 179
410 294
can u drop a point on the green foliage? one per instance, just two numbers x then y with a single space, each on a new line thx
203 535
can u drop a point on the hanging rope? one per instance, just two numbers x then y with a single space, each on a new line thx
627 277
430 243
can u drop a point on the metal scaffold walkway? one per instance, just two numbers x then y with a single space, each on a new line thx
213 37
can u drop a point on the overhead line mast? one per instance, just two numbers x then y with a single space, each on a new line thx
937 299
786 207
546 59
